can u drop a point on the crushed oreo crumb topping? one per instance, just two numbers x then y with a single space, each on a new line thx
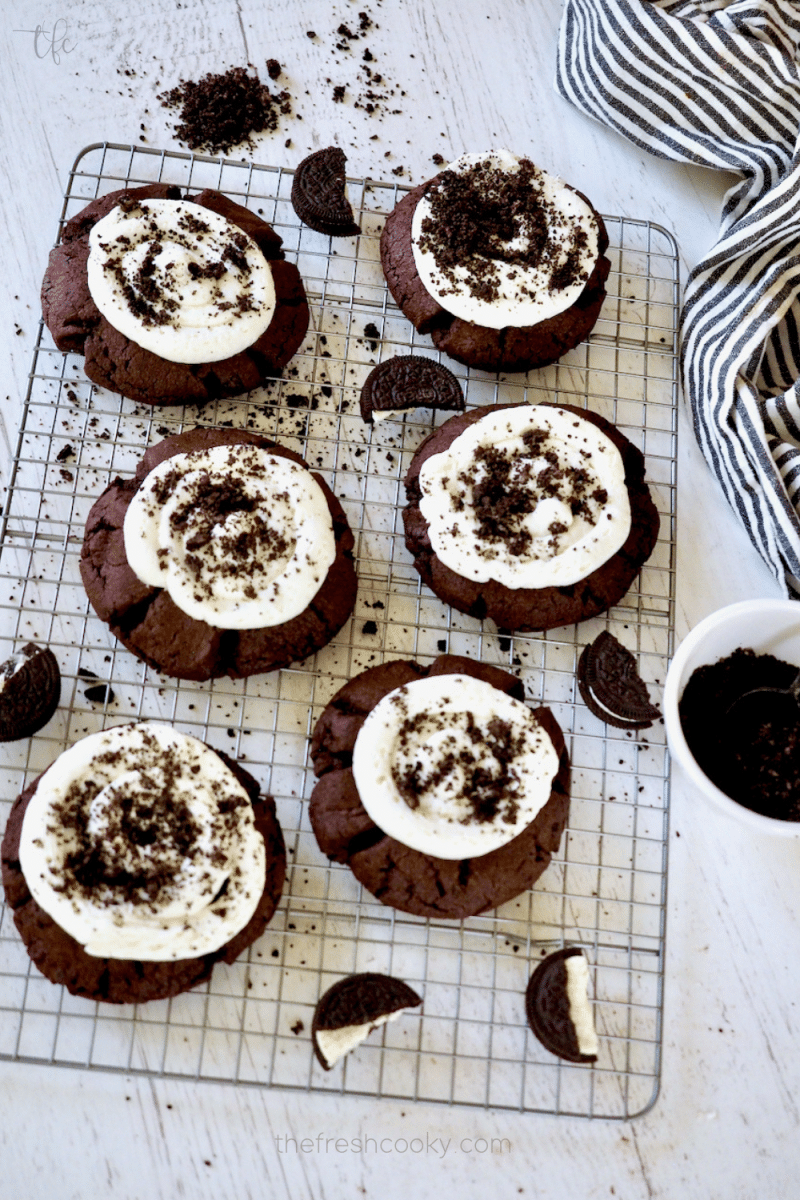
133 844
485 216
153 293
475 765
506 487
228 518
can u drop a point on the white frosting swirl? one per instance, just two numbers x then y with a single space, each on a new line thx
453 767
534 277
531 496
179 280
239 537
141 844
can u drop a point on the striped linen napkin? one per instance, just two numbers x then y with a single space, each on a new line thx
716 82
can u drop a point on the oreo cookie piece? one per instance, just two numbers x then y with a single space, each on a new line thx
319 194
611 686
348 1012
30 689
409 381
557 1006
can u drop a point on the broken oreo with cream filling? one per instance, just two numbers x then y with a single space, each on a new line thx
558 1008
319 193
611 686
349 1011
408 381
30 689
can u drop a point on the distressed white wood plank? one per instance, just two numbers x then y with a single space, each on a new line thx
480 74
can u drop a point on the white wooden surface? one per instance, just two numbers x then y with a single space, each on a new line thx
476 73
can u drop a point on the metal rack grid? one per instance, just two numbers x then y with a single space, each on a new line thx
604 891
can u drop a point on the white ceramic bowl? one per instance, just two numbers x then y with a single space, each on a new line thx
766 626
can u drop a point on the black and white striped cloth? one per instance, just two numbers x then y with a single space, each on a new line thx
716 82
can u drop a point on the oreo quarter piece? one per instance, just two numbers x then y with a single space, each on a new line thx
319 195
558 1009
30 689
409 381
611 686
348 1012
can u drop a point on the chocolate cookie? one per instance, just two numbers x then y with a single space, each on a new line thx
351 1008
62 960
30 690
319 194
401 877
511 348
525 609
611 686
148 622
548 1008
409 381
115 362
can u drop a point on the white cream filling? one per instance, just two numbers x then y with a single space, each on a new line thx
426 741
525 294
335 1043
12 666
239 537
580 1009
538 451
180 280
130 838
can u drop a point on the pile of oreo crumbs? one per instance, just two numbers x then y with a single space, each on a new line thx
219 112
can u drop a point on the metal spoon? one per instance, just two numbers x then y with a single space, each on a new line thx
761 703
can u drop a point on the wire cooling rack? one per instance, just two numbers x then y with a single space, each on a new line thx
606 889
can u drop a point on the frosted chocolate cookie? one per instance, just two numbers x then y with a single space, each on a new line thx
351 1008
223 555
500 262
440 789
171 300
138 860
534 516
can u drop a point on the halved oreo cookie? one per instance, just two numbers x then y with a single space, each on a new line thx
319 195
558 1008
30 689
409 381
352 1008
611 686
